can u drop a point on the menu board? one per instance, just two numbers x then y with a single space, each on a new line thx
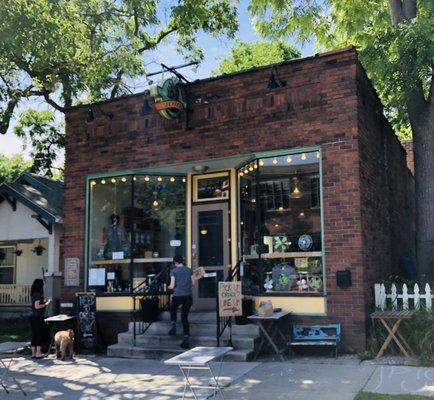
86 319
230 299
72 271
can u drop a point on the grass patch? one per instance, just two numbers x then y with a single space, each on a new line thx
15 330
377 396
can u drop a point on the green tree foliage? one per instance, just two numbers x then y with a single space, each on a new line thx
395 41
46 138
249 55
66 50
395 55
12 167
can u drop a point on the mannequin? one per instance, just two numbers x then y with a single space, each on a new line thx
115 237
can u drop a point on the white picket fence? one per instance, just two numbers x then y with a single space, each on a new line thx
404 300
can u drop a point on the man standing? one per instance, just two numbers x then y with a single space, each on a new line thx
181 282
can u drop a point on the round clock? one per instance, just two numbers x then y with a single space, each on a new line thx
305 242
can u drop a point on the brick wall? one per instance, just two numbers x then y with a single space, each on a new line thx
408 146
318 106
387 192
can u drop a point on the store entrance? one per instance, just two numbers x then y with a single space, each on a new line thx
210 250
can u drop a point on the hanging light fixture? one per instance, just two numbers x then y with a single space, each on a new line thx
296 192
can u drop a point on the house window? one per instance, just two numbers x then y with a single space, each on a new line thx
7 265
280 227
211 187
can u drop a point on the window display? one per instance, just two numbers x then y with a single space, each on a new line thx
137 225
280 224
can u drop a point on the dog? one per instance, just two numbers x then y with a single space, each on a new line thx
64 341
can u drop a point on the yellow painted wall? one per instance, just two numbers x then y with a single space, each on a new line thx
298 305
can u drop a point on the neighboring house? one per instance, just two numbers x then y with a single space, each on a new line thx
30 214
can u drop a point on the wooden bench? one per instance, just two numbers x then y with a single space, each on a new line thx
316 335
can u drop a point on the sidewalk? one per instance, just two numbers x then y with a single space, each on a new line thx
298 378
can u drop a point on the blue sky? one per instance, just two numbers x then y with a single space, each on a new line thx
214 49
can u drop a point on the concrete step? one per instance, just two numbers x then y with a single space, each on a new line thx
144 340
205 329
163 353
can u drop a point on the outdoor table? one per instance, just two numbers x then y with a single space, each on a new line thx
11 349
57 322
395 318
199 358
271 326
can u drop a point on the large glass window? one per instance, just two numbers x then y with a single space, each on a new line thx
280 227
137 225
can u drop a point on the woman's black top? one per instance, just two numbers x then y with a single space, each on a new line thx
37 312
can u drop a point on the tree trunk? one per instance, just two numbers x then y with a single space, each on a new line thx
423 147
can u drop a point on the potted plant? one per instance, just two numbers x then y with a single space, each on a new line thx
39 249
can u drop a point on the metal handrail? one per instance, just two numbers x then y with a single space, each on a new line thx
226 322
144 294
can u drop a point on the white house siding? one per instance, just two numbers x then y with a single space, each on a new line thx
19 224
29 265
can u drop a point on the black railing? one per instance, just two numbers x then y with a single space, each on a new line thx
152 289
224 323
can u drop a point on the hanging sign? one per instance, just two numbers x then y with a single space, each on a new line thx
86 314
230 299
72 272
169 98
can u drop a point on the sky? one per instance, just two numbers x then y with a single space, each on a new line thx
215 49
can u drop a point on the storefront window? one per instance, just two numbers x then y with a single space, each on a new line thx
137 225
281 222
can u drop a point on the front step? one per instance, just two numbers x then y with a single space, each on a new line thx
155 343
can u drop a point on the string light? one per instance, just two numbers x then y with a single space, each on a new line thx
134 178
246 171
159 179
275 161
155 203
93 183
113 180
255 165
261 163
172 179
183 179
123 179
317 154
146 178
241 173
289 159
103 181
280 209
250 168
303 156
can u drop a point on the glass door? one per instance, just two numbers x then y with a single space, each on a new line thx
210 250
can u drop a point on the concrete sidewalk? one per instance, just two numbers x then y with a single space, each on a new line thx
298 378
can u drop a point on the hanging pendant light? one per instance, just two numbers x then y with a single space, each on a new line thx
296 192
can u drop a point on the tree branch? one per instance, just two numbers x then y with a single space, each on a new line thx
409 8
7 115
158 39
117 84
396 12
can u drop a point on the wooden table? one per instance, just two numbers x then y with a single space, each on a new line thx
199 358
270 327
8 350
391 321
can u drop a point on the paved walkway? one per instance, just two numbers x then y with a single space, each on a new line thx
298 378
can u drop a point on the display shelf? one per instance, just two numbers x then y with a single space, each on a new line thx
135 261
295 254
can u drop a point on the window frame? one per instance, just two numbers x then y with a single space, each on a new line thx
279 153
14 266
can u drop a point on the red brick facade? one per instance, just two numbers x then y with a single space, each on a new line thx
327 101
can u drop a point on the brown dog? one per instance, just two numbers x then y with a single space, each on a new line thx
64 341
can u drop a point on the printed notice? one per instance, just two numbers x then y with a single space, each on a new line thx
72 272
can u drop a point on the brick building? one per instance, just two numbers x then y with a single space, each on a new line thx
291 168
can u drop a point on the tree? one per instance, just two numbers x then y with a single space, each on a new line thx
46 137
65 52
249 55
395 41
12 167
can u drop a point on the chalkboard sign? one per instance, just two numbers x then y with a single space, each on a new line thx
86 319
